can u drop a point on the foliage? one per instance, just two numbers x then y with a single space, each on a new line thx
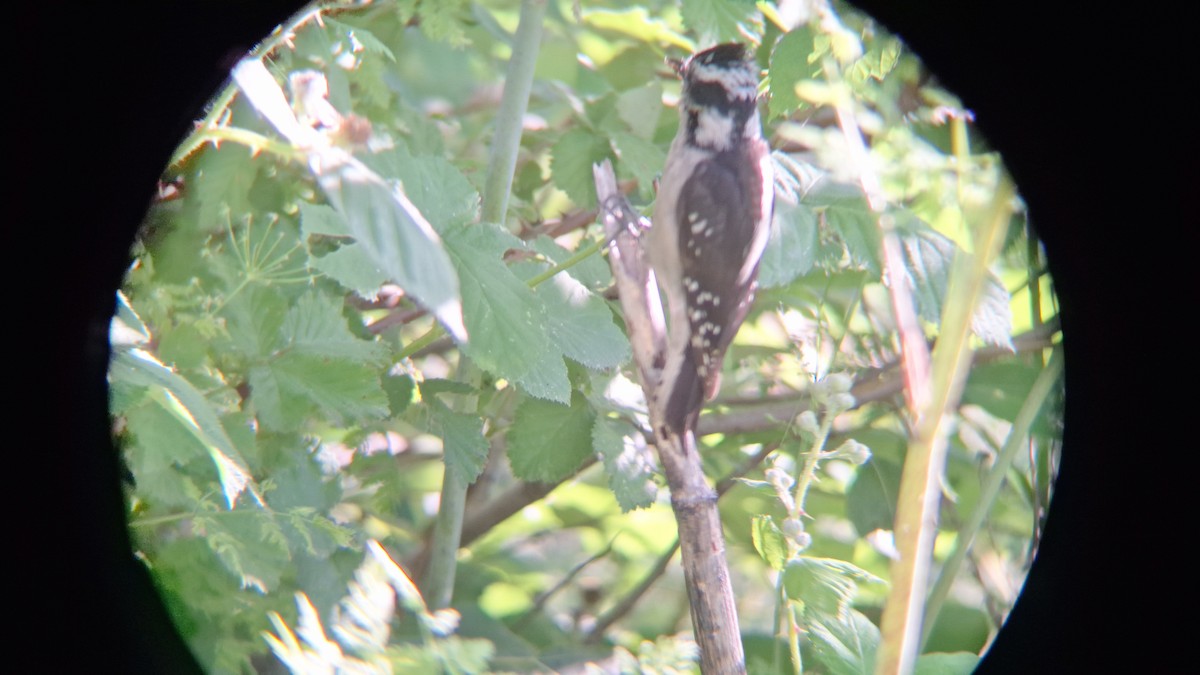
288 379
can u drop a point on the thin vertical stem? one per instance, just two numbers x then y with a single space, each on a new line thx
447 531
1017 438
518 82
916 509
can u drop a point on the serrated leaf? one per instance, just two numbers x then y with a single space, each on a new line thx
249 543
253 318
571 164
581 323
436 187
858 228
321 219
160 445
629 464
463 444
632 67
593 271
769 541
548 441
353 268
315 325
549 381
219 185
344 390
825 585
506 320
844 646
722 20
399 390
928 256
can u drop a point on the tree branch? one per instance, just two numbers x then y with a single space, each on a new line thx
702 544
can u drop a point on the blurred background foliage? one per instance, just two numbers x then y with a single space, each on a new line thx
286 412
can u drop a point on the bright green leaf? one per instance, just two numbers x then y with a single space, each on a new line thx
769 541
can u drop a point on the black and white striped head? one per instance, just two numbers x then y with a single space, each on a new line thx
719 104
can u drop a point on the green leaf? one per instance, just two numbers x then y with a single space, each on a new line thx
627 461
571 164
844 646
791 250
636 22
722 20
315 325
640 108
193 411
592 271
219 186
254 318
352 267
792 60
464 446
436 187
249 543
396 237
399 390
548 441
632 68
344 390
769 541
858 228
640 157
928 256
958 663
825 585
506 320
549 381
160 445
871 498
370 43
581 323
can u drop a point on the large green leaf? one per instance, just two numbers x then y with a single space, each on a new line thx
507 321
548 441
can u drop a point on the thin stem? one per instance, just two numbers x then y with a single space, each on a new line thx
518 82
578 257
916 509
447 533
1017 438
